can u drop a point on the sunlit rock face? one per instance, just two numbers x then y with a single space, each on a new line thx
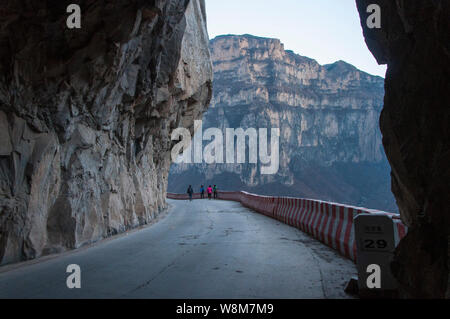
330 144
414 41
86 116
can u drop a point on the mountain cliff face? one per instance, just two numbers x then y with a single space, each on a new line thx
414 41
330 143
86 116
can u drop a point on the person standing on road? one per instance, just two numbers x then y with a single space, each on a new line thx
202 192
209 191
215 192
190 191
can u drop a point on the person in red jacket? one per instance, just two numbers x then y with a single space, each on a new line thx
209 191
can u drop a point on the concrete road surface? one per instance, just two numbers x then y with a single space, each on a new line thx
201 249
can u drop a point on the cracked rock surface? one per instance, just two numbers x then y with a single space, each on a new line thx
86 116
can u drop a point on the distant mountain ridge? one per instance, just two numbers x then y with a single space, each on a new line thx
330 144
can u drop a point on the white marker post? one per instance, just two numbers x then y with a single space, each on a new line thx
375 243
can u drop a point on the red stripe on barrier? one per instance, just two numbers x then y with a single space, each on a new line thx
313 215
309 217
294 211
331 226
298 212
288 211
340 221
324 223
279 208
316 219
348 230
304 213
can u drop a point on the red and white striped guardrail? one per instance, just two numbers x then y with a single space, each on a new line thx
330 223
262 204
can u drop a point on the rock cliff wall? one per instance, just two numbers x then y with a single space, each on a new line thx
414 41
86 116
330 144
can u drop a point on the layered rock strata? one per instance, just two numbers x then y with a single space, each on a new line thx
328 115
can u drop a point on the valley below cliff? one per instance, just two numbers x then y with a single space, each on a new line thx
328 116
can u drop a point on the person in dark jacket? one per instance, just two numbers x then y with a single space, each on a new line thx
190 191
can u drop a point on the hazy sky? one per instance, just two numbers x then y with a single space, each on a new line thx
325 30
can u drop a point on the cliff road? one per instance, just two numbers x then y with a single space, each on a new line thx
200 249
